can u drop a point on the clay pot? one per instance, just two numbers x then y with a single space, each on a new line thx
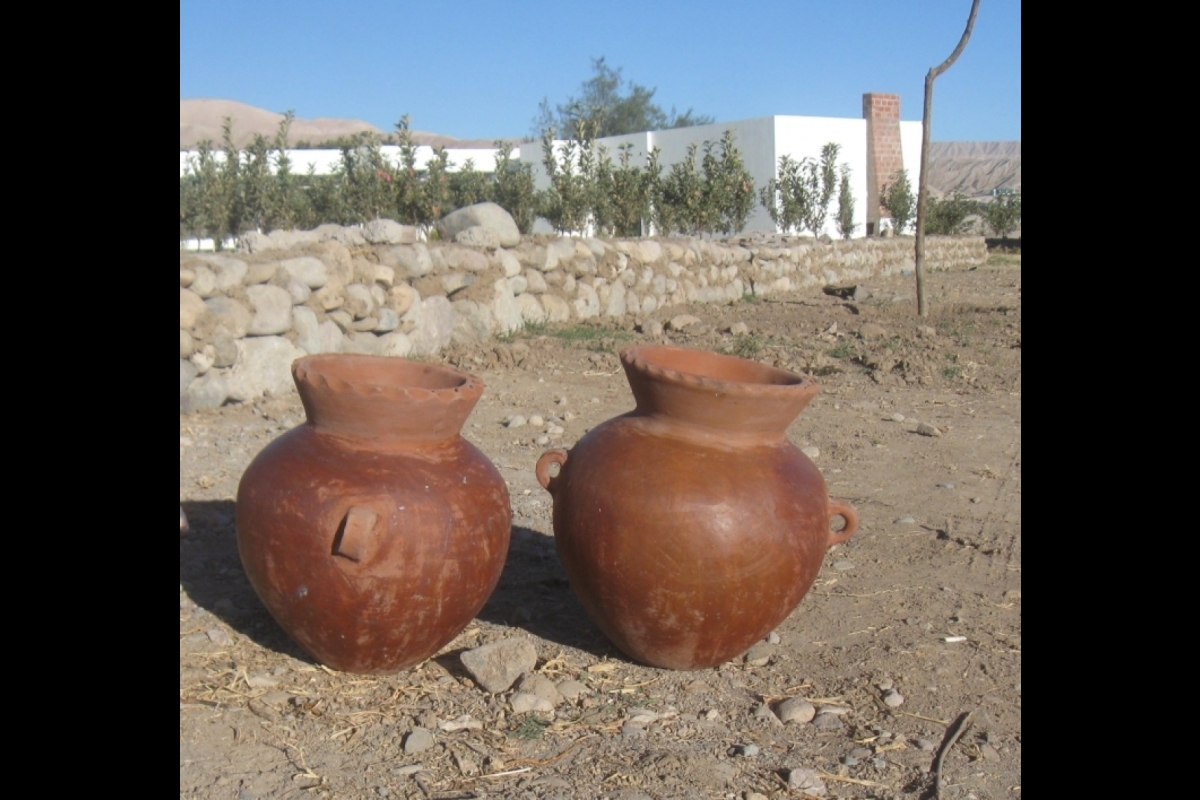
690 527
374 532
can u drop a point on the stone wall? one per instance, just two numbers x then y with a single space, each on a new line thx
244 317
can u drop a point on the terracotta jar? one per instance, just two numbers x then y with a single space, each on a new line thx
374 532
691 527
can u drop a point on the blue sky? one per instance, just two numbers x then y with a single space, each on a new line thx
475 69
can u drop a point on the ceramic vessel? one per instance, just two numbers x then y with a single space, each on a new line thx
374 532
691 527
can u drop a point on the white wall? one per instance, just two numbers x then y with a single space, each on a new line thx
325 162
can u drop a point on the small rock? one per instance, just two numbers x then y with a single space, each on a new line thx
418 741
838 711
218 637
926 744
524 702
739 329
461 723
827 722
773 638
712 715
842 566
497 666
806 780
879 763
515 421
893 699
681 321
261 681
542 440
945 485
754 796
299 292
861 752
555 430
744 750
651 327
885 684
850 761
760 654
764 712
408 769
541 686
989 752
796 710
976 500
926 331
537 421
905 521
572 690
925 429
272 310
897 417
812 451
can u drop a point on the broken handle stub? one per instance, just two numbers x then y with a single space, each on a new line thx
356 535
556 456
837 508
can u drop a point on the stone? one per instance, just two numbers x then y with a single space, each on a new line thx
744 750
464 258
474 323
681 321
230 271
897 417
395 344
402 297
299 292
342 318
386 231
739 329
496 666
418 741
219 637
478 236
365 325
364 343
556 308
541 686
331 295
893 699
187 374
359 301
843 566
812 451
827 722
651 327
764 712
535 281
186 345
587 302
202 360
925 429
524 702
505 308
186 276
225 350
264 364
486 215
204 283
615 306
516 421
572 690
260 272
272 310
531 309
433 324
191 309
331 337
309 270
807 781
518 285
389 320
511 265
760 654
905 521
231 316
308 334
796 710
414 259
632 732
464 722
926 745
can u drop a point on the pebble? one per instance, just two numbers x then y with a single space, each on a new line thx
632 732
806 780
497 666
537 421
885 684
542 440
462 723
905 521
515 421
524 702
572 690
850 761
860 752
760 654
744 750
408 769
827 722
764 712
945 485
926 744
712 715
796 710
976 500
880 763
925 429
773 638
218 637
541 686
555 430
811 451
275 698
897 417
893 699
418 741
383 791
842 566
838 711
261 681
754 796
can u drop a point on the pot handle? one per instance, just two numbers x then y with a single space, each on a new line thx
556 456
356 536
838 508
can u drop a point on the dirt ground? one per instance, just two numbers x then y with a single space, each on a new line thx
924 600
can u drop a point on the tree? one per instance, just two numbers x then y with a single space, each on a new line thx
897 198
948 216
1003 214
845 212
610 106
923 178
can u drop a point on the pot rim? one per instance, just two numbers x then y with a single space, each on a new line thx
402 377
777 383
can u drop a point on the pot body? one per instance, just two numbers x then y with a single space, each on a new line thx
687 543
374 550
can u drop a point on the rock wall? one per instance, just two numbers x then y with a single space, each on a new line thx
244 318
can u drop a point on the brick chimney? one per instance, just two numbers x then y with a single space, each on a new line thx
884 155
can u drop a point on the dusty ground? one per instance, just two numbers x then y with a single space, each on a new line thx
938 556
